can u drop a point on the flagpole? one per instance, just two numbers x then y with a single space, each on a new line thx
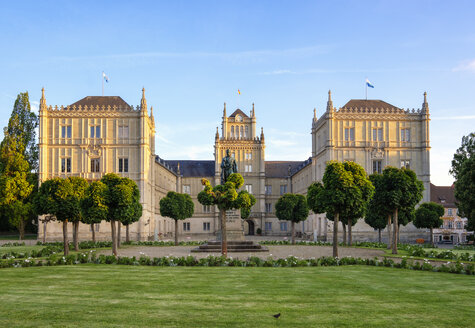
103 83
366 88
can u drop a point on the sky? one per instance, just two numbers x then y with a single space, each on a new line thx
284 56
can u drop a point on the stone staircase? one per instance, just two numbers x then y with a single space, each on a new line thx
233 246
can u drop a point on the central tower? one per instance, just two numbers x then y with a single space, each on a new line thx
238 134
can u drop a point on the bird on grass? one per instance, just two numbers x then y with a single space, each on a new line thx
276 315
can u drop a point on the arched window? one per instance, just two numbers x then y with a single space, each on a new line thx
232 131
242 132
246 134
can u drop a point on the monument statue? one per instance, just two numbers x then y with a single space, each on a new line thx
228 167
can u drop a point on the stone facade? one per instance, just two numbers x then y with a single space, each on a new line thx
99 135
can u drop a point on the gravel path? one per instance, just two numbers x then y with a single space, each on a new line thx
274 251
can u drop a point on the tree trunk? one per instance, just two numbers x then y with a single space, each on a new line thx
395 226
93 232
127 237
224 239
349 233
118 234
379 236
335 235
431 237
44 231
292 224
21 229
65 238
344 232
114 239
389 231
176 232
76 235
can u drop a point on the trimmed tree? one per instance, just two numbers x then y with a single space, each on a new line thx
94 205
375 219
79 187
345 189
132 209
225 197
428 216
463 170
293 208
177 206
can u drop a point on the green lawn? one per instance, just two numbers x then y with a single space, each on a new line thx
128 296
20 249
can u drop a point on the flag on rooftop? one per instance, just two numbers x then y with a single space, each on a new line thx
239 91
106 78
369 84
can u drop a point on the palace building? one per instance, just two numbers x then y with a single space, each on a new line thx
98 135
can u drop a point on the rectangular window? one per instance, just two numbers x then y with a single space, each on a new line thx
283 189
283 226
95 165
378 134
406 163
459 225
249 188
206 226
123 131
248 156
377 166
406 135
186 226
349 134
123 165
449 212
268 226
95 131
66 165
206 208
268 189
268 207
66 131
187 189
450 224
247 168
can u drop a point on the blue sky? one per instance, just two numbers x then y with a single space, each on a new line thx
191 56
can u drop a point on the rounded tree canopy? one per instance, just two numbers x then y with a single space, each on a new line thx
177 206
428 215
292 207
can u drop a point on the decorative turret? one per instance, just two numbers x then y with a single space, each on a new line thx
143 101
425 105
314 114
217 134
152 119
43 100
262 134
329 102
224 111
178 169
252 112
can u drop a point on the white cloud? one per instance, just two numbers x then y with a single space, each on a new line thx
465 66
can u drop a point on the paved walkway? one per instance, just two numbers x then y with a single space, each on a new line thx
274 252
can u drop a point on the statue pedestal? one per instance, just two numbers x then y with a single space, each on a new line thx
234 226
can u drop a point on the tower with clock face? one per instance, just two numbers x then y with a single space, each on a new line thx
238 134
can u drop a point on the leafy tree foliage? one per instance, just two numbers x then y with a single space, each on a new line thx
21 126
79 187
463 170
428 215
226 198
293 208
178 207
94 205
122 200
397 190
346 189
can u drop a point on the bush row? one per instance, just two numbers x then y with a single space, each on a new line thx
446 255
215 261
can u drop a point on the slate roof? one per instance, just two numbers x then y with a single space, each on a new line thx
238 111
363 103
101 101
443 195
190 168
280 169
